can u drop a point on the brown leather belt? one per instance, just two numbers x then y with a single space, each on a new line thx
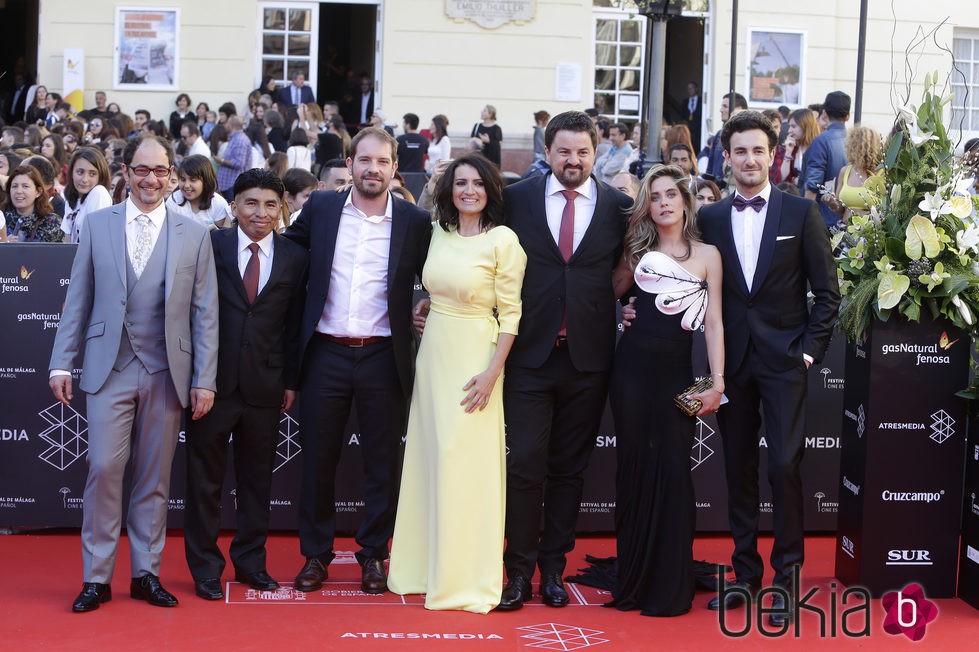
353 341
561 342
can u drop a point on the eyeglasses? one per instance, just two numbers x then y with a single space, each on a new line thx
144 171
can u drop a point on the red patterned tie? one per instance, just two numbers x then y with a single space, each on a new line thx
565 238
250 277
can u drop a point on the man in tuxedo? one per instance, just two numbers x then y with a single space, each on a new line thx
571 227
694 115
775 249
261 278
143 304
296 92
356 348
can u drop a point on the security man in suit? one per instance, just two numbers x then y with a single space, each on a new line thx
143 305
261 279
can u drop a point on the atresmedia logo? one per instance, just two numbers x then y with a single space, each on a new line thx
908 612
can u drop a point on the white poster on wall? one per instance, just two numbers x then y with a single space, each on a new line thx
73 78
146 48
567 82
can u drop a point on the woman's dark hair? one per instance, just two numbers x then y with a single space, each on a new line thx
42 205
228 109
199 167
157 128
94 156
296 180
183 96
298 137
219 134
60 159
700 184
278 163
256 133
445 211
441 124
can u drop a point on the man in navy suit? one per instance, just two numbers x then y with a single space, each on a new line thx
571 227
296 92
261 277
356 347
775 249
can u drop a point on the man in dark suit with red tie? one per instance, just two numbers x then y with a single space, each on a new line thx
261 278
571 227
775 249
356 346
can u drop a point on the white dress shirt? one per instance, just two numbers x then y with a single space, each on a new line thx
266 249
199 148
747 226
157 217
357 301
584 207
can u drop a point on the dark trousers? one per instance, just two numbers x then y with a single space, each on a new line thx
334 378
780 396
255 435
552 416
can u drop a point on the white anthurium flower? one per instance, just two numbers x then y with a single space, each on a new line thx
908 113
919 137
963 309
967 239
934 204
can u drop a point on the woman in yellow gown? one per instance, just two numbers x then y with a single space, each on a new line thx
448 535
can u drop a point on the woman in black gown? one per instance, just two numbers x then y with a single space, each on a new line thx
676 280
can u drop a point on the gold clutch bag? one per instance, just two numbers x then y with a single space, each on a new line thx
690 406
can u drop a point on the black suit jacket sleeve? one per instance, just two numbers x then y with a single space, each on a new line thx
820 269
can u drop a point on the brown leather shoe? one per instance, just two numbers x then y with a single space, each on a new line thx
372 577
312 575
93 594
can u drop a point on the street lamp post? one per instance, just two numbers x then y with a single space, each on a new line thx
658 13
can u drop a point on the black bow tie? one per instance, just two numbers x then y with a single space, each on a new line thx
740 203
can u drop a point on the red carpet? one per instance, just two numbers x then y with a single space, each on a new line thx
42 574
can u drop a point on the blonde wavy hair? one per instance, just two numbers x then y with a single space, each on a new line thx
863 148
641 235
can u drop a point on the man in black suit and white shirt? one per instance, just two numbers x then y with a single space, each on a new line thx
261 277
356 348
571 227
775 249
297 92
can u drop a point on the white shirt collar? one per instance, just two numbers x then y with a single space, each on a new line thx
157 215
554 186
376 219
265 244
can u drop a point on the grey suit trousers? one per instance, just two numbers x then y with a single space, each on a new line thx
138 412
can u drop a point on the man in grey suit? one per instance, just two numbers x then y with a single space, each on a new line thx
143 302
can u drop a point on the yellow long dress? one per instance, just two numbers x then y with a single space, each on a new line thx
448 535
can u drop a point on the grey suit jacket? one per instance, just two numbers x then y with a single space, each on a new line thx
96 304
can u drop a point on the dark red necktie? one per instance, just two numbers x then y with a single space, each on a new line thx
250 277
565 238
740 203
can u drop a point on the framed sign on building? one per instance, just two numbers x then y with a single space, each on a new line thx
776 67
146 48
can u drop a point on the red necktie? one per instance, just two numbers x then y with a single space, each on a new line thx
565 242
565 238
250 277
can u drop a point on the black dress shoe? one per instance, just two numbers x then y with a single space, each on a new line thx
372 577
311 577
552 591
735 595
515 593
209 588
148 588
259 580
93 594
783 605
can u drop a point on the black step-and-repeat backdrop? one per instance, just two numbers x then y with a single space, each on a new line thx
43 444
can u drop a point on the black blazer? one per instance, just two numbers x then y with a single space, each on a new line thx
285 95
795 257
258 343
583 284
411 230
